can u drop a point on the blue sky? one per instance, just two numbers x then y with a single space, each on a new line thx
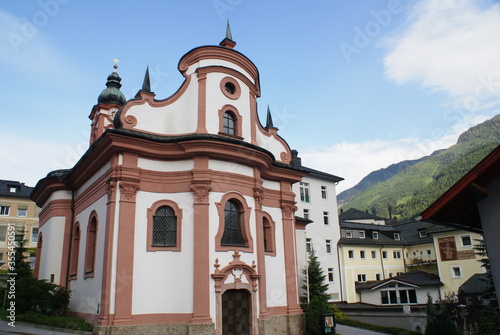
354 86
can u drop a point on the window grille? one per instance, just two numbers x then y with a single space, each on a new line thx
229 126
165 227
232 225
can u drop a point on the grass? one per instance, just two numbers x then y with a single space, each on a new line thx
64 322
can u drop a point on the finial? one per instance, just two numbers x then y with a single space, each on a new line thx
269 120
146 84
116 60
229 36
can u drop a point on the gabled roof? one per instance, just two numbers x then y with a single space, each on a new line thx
413 278
457 207
356 214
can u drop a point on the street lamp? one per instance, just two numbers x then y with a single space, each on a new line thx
462 309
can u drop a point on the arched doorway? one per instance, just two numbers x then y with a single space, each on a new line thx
236 312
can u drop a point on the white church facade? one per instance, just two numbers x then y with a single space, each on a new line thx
180 217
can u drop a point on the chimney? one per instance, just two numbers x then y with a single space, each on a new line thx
296 160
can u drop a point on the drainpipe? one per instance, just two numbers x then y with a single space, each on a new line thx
437 262
404 258
382 262
340 272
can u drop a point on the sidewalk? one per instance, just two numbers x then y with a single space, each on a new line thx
31 329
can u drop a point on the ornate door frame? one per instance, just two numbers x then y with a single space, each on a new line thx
237 275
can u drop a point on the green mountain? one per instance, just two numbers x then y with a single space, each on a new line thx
405 189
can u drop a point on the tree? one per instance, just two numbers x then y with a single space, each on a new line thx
26 293
439 321
318 298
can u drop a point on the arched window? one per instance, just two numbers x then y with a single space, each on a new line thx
164 227
229 123
268 247
90 249
268 227
75 251
232 225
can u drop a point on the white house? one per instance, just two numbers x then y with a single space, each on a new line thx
317 203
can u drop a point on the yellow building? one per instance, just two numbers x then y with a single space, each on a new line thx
17 211
370 253
457 260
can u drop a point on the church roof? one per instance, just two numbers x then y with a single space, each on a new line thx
112 94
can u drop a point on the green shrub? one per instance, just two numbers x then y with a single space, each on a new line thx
55 321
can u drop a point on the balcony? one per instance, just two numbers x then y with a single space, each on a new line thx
421 260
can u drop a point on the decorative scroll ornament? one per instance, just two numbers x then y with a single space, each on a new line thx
288 210
201 192
110 188
258 195
237 269
129 190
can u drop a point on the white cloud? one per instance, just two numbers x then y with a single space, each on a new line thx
353 161
450 46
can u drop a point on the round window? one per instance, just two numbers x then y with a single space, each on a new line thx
230 88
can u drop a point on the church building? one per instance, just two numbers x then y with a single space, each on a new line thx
180 217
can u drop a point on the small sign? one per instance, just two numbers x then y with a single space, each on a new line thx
406 309
328 324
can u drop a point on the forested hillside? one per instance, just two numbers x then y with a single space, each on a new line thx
415 186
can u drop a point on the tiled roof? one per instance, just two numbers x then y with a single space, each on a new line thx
409 233
477 284
356 214
320 174
415 278
20 190
367 226
386 234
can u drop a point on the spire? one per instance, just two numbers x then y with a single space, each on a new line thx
228 42
146 84
269 120
229 36
112 94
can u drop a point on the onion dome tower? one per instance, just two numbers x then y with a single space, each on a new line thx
109 102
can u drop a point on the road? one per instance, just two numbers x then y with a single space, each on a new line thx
346 330
5 329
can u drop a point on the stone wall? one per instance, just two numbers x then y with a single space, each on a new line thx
157 329
282 324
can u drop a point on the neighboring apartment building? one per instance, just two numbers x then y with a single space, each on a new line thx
17 209
372 253
317 202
